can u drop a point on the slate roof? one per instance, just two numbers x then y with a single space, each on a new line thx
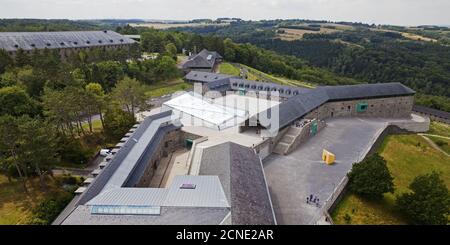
300 105
12 41
284 91
431 111
242 176
223 82
362 91
204 59
206 77
102 180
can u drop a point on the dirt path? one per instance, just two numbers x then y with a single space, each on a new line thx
435 135
434 144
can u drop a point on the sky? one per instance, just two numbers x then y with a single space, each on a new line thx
395 12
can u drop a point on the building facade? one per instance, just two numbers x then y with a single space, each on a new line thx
66 43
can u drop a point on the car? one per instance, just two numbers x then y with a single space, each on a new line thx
105 152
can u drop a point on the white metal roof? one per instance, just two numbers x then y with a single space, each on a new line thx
217 115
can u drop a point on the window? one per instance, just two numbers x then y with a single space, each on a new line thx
188 186
123 209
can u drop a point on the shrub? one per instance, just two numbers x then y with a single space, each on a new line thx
48 209
371 178
428 203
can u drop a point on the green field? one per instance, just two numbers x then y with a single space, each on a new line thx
15 205
96 125
164 88
229 69
439 129
407 156
442 143
255 74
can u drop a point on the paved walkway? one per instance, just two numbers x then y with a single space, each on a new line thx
293 177
436 147
435 135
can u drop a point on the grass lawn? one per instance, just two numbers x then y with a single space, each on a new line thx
444 144
16 206
407 156
229 69
255 74
169 89
96 126
439 129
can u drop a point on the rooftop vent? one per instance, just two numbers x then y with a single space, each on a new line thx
16 46
188 186
111 41
62 44
100 41
33 45
76 43
48 44
88 42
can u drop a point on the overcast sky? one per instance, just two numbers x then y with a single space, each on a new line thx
398 12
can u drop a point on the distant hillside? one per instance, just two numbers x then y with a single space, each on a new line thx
418 57
39 25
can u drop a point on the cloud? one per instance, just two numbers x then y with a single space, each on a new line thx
400 12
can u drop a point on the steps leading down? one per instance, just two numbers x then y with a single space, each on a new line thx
287 140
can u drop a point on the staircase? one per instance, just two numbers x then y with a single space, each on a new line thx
287 140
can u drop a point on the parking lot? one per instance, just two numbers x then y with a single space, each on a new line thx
293 177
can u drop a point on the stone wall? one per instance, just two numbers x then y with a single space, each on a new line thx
169 144
305 135
394 107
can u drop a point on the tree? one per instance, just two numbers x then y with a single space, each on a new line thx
171 50
15 101
48 209
5 61
109 72
9 137
117 122
166 68
37 146
96 97
22 58
371 177
428 203
130 94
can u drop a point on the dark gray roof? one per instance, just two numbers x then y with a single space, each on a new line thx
431 111
300 105
12 41
102 179
284 91
242 176
204 59
206 77
362 91
139 169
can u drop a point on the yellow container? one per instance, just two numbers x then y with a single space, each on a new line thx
328 157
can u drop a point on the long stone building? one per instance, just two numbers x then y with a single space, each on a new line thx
169 171
66 42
